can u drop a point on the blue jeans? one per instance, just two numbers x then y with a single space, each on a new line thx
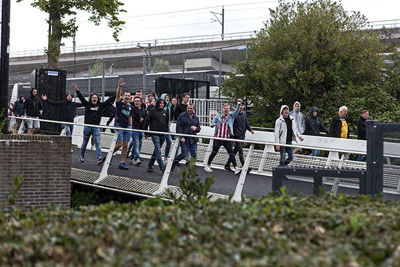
360 157
168 145
95 133
285 161
70 129
314 153
136 143
158 141
186 147
123 135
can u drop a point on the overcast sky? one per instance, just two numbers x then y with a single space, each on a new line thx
144 21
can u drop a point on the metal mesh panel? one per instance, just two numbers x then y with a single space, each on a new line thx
131 185
84 175
206 109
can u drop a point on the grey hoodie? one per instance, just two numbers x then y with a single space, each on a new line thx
298 118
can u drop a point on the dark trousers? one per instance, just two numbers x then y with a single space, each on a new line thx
228 146
238 148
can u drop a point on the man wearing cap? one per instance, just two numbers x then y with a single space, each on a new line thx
285 132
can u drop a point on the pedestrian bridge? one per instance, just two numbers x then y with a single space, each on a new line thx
255 179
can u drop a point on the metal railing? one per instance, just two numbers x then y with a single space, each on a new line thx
135 44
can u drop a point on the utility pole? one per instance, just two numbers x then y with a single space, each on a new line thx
103 81
4 59
144 76
89 82
222 22
149 59
74 51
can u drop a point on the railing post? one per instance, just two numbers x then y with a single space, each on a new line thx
237 196
208 153
374 177
167 171
106 165
335 185
267 148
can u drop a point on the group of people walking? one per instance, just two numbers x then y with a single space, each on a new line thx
290 126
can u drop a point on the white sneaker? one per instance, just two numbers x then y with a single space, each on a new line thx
138 162
207 169
237 170
132 161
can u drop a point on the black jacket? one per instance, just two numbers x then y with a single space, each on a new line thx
335 127
184 126
361 129
314 125
93 113
18 107
136 115
157 119
240 125
180 108
67 109
33 105
174 113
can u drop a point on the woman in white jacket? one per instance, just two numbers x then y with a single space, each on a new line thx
286 132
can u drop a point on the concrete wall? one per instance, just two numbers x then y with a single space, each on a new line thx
45 164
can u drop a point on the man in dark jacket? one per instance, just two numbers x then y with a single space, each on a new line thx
240 125
182 107
187 123
361 129
138 117
157 120
18 110
93 112
67 111
339 127
314 126
33 109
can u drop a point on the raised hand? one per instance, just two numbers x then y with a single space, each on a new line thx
75 87
44 97
121 82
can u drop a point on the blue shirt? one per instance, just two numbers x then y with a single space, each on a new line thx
122 114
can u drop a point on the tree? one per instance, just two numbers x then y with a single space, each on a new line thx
314 52
62 21
161 65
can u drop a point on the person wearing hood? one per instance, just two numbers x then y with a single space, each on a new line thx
93 112
298 117
285 133
314 126
18 110
33 108
168 138
223 124
157 120
67 111
362 130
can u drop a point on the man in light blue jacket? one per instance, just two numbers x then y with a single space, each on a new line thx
223 124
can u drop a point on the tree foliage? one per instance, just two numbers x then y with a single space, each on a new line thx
161 65
62 20
316 53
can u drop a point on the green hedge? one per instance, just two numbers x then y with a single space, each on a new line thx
283 231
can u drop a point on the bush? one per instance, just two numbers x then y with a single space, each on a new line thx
285 230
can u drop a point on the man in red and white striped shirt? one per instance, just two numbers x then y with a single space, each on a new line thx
223 124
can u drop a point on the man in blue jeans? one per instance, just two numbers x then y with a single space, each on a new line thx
93 111
123 120
187 123
285 132
138 116
157 120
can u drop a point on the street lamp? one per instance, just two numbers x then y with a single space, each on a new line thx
222 22
145 65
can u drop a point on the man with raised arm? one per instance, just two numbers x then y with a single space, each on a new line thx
223 124
187 123
67 111
123 120
285 133
93 112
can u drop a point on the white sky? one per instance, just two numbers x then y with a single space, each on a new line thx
29 29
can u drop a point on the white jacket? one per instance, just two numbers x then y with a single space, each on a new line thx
280 131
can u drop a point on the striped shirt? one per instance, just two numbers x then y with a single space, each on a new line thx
223 130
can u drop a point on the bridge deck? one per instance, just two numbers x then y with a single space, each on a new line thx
137 181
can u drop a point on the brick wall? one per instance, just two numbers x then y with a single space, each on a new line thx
45 165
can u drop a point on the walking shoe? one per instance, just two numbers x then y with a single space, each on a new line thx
150 170
207 169
162 169
173 167
228 168
123 166
132 161
237 170
138 162
101 160
81 159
